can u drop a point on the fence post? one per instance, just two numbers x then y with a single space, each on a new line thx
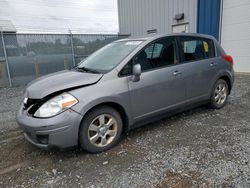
6 59
72 47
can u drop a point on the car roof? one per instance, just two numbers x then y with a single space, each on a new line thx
156 36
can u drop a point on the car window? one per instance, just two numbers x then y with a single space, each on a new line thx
109 56
159 54
127 69
149 51
154 50
193 48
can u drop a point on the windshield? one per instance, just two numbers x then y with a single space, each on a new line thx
108 57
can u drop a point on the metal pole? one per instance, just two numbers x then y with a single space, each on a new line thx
72 47
221 15
6 60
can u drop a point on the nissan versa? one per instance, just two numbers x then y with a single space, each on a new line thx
125 84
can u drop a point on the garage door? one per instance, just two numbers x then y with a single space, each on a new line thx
235 33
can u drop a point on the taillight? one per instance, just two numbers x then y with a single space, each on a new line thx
229 59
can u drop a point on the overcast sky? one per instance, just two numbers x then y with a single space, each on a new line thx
81 16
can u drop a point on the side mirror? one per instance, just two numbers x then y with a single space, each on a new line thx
136 73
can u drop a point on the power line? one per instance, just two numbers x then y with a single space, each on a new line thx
43 27
60 30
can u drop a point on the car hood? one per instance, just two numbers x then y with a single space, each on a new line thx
60 81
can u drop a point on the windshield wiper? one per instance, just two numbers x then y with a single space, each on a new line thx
87 70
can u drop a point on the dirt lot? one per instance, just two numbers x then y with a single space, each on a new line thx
198 148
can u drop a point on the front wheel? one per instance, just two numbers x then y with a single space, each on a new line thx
100 130
219 95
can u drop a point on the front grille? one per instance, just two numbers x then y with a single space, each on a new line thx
32 105
29 102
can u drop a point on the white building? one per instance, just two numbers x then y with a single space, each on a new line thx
226 20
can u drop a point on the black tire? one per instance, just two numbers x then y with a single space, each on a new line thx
214 103
84 134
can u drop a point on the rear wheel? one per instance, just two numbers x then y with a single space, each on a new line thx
100 129
220 94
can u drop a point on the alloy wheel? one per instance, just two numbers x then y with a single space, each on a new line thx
220 95
102 130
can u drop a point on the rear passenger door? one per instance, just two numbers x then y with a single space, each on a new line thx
198 57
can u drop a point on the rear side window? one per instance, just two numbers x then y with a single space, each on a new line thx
194 48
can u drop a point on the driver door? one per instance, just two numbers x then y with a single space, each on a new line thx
161 86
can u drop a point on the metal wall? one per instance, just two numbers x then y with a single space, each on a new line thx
138 16
29 56
235 34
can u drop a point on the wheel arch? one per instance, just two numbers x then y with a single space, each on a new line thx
227 76
116 106
228 81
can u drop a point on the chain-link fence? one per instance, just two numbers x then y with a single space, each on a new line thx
3 69
32 55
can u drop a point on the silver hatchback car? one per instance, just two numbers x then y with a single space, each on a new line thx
123 85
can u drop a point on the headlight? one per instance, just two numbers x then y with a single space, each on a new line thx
56 105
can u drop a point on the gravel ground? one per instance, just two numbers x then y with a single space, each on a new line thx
198 148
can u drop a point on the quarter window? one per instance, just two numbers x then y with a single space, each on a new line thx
196 48
127 69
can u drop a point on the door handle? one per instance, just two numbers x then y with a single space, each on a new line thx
213 64
176 73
